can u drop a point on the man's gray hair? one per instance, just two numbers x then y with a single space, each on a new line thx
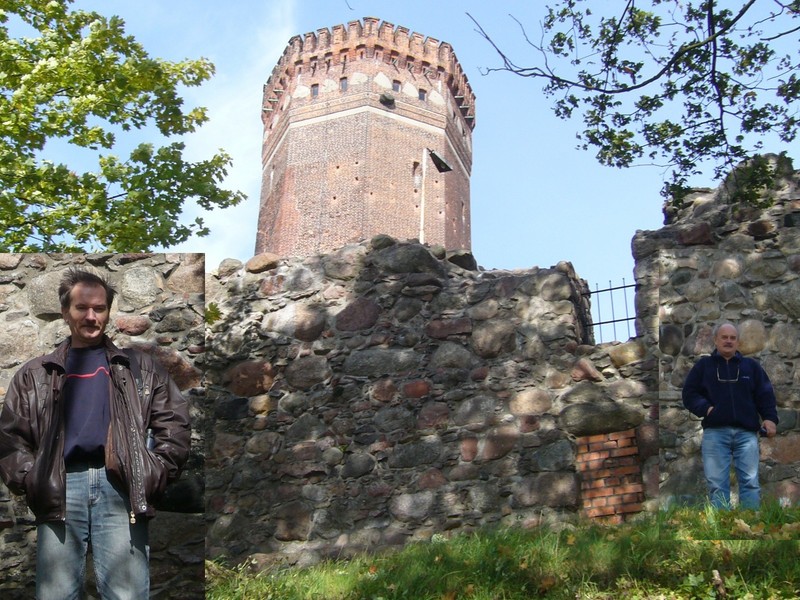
720 326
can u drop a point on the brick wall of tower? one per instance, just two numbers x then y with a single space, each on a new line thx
341 165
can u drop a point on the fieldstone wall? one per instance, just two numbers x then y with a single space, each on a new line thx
387 392
159 310
714 261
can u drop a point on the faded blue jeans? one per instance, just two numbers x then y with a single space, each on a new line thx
97 513
720 445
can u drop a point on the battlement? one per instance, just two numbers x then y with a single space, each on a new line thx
377 40
372 32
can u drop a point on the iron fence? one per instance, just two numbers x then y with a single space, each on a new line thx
611 302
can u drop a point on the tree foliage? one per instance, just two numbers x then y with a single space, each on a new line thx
74 79
671 82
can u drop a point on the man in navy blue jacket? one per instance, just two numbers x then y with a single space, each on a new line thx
735 399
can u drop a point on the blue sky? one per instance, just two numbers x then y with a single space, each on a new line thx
536 199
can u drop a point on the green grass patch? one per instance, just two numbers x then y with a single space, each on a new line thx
771 522
669 555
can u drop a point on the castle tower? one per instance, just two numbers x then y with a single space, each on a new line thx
367 130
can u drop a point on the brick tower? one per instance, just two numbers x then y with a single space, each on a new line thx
367 130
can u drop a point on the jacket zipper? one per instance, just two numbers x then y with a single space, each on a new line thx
730 388
55 390
136 484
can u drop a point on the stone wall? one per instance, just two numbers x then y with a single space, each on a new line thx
159 310
387 392
715 261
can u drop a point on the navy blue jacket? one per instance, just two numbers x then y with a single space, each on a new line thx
739 390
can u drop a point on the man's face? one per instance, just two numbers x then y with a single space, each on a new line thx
87 315
727 341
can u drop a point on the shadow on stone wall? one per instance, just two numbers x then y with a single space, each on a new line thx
384 392
387 392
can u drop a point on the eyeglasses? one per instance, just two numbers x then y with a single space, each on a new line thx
721 380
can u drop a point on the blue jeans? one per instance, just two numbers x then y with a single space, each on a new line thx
720 444
97 513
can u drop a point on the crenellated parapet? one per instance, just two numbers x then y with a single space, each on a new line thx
371 39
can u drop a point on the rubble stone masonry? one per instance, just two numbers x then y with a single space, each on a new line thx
388 391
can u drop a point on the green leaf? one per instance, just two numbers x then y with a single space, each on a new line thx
632 73
80 80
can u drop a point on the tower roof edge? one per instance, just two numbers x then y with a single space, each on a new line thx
371 32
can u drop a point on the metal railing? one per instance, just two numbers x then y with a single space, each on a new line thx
604 304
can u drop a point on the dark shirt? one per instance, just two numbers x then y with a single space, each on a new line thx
738 389
87 412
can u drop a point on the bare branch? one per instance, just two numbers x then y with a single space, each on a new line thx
710 63
780 35
682 51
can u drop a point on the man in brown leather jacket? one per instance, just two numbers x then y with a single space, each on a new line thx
91 435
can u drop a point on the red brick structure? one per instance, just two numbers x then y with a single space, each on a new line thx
611 475
358 121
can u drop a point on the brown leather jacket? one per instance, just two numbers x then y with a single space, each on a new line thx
32 432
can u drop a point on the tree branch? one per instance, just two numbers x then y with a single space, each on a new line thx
780 35
677 56
720 100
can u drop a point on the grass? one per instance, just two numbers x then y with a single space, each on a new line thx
771 522
681 553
